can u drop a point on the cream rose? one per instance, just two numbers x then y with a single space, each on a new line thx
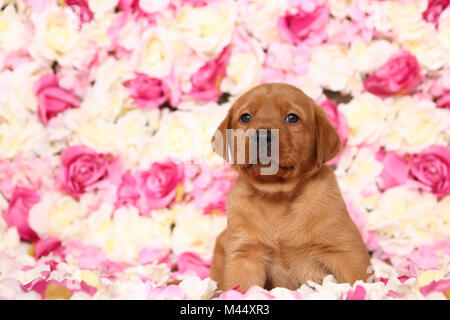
243 69
56 33
444 33
187 135
100 7
406 19
155 56
134 231
421 125
330 67
365 116
57 215
260 18
195 231
367 56
362 173
404 214
207 29
13 32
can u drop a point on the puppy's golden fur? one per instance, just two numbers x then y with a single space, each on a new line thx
293 226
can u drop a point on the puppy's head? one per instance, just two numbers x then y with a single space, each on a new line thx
295 132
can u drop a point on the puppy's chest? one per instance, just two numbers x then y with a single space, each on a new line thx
281 223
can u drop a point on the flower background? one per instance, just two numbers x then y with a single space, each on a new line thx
109 188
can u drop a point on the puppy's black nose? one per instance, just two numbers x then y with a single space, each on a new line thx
263 135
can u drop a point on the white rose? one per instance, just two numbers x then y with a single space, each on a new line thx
22 137
129 36
380 15
368 56
330 67
56 215
341 9
420 125
365 115
136 129
13 32
155 55
196 288
362 173
151 6
442 222
124 234
195 231
129 288
406 19
427 50
97 30
56 33
243 69
260 18
309 85
187 135
16 87
403 214
101 135
207 29
444 33
177 138
100 7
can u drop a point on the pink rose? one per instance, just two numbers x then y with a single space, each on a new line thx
51 98
17 213
190 262
150 255
206 81
358 294
304 26
88 256
147 92
434 10
83 169
14 59
43 247
210 189
395 169
134 7
400 74
230 295
442 286
128 191
336 118
81 7
339 122
430 170
171 292
444 101
429 256
158 184
130 5
287 57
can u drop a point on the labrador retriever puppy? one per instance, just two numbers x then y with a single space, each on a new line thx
291 226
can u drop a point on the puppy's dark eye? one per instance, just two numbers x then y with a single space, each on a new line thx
246 118
292 118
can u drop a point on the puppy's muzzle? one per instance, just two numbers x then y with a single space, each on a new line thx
263 137
262 140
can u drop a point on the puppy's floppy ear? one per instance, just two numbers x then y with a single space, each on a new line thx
219 140
328 142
